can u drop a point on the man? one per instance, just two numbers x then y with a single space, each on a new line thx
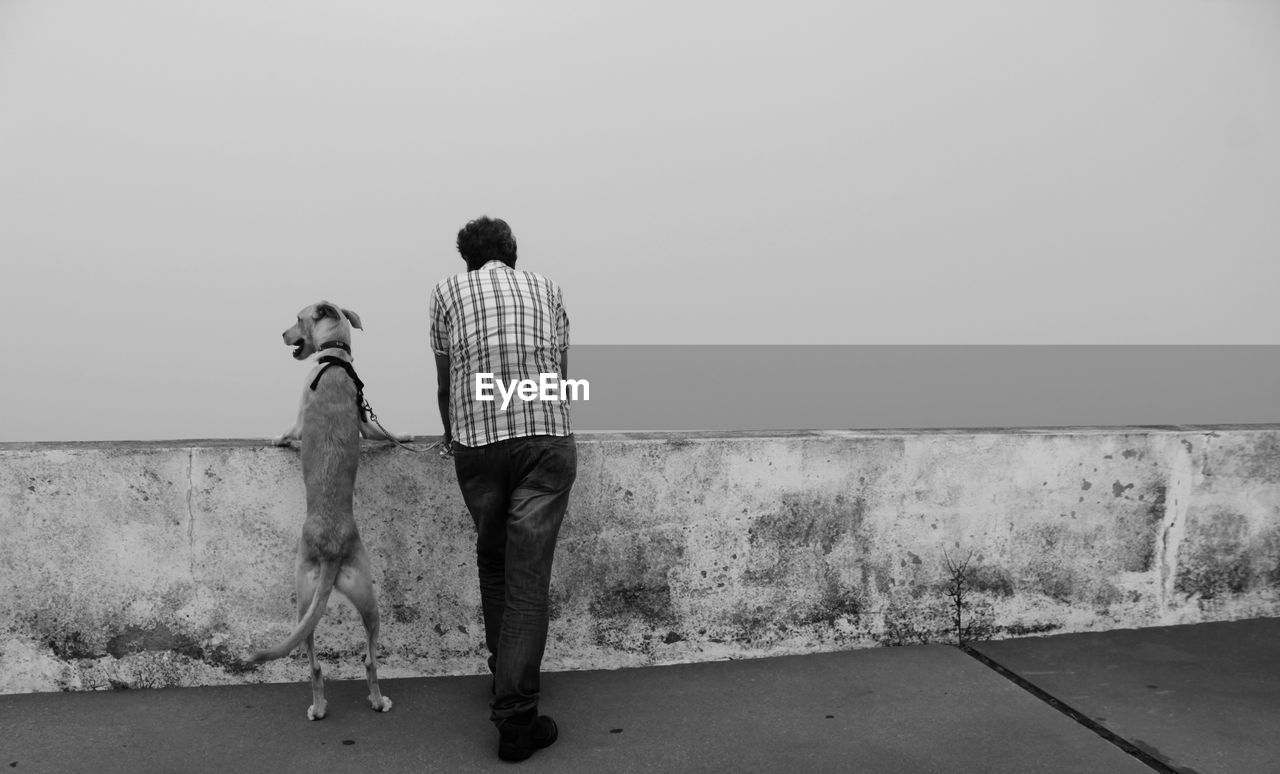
515 464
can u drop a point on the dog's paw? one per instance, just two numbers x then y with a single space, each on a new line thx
314 713
244 665
380 704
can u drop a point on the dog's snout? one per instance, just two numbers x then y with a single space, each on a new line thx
297 337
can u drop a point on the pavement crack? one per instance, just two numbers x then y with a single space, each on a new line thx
1154 763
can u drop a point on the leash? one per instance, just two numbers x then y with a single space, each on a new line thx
362 403
445 451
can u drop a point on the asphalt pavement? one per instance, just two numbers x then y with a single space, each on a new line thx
1203 698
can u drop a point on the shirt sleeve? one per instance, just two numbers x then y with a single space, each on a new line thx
439 323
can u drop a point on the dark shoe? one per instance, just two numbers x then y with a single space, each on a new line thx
521 735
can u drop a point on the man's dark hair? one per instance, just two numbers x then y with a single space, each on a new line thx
487 239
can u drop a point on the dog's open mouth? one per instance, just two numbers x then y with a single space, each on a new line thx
298 346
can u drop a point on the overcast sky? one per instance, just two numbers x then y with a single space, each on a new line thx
178 178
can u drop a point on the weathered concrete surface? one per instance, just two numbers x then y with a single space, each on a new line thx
162 563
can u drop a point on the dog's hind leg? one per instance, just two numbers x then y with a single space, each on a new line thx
318 706
308 577
356 583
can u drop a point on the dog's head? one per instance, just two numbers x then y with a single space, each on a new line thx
320 323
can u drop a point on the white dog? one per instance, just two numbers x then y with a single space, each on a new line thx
331 555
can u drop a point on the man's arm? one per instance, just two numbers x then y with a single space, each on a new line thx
442 394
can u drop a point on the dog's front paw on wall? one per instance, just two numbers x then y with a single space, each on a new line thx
316 712
380 704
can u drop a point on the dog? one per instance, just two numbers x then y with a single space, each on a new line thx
331 421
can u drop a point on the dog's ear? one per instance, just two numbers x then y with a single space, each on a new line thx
353 318
324 309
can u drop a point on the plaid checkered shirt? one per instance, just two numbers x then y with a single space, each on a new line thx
508 323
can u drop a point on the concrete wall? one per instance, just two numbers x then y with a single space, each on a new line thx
163 563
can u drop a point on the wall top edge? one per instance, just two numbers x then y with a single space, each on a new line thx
590 436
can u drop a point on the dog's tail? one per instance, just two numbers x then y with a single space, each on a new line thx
324 587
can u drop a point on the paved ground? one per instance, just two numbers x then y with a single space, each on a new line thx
1199 699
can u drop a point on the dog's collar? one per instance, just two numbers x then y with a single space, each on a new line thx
342 345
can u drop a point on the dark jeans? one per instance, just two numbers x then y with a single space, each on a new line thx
517 491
